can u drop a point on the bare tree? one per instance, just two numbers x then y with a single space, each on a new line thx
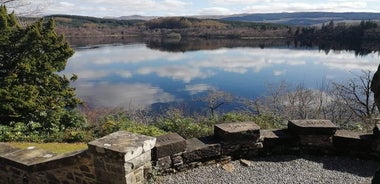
215 99
356 94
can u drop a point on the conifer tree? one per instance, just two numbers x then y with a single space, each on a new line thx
31 89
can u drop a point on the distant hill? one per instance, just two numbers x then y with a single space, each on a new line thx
303 18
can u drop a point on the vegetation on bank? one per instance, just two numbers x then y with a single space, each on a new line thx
362 37
80 26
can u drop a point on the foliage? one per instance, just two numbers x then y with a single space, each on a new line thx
168 23
31 88
119 121
175 121
79 21
332 35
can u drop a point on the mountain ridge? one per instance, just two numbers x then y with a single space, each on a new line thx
286 18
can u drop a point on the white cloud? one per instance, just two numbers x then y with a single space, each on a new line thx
66 4
183 73
336 6
102 8
128 96
216 11
116 8
198 88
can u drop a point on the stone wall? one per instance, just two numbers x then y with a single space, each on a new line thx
119 158
232 141
126 158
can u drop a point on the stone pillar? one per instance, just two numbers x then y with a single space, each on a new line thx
239 139
121 157
315 135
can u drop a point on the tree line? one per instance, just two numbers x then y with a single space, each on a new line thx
339 36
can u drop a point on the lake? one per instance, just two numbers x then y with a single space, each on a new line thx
141 75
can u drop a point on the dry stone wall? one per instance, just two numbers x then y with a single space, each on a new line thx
126 158
246 140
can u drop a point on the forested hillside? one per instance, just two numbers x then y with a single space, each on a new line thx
304 18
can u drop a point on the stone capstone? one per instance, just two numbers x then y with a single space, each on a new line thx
29 156
6 148
122 144
168 144
237 132
312 127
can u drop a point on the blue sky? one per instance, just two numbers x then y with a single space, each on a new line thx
104 8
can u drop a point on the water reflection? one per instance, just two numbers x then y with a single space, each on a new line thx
136 76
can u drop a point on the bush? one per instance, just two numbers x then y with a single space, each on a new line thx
119 121
187 127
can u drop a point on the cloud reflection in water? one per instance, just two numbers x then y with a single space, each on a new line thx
136 76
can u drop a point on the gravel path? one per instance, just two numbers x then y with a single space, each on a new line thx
282 169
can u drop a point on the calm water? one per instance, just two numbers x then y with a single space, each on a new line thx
135 76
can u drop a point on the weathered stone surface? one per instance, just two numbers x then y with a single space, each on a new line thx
312 127
29 156
130 178
122 144
168 144
197 150
352 141
237 132
6 148
137 162
164 163
177 160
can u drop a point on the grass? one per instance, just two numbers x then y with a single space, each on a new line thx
58 148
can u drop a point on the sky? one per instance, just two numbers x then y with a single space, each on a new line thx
116 8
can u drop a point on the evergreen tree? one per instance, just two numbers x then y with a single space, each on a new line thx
31 89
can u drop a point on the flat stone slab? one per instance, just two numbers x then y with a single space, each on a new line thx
197 150
237 132
29 156
122 144
6 148
353 141
312 127
168 145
